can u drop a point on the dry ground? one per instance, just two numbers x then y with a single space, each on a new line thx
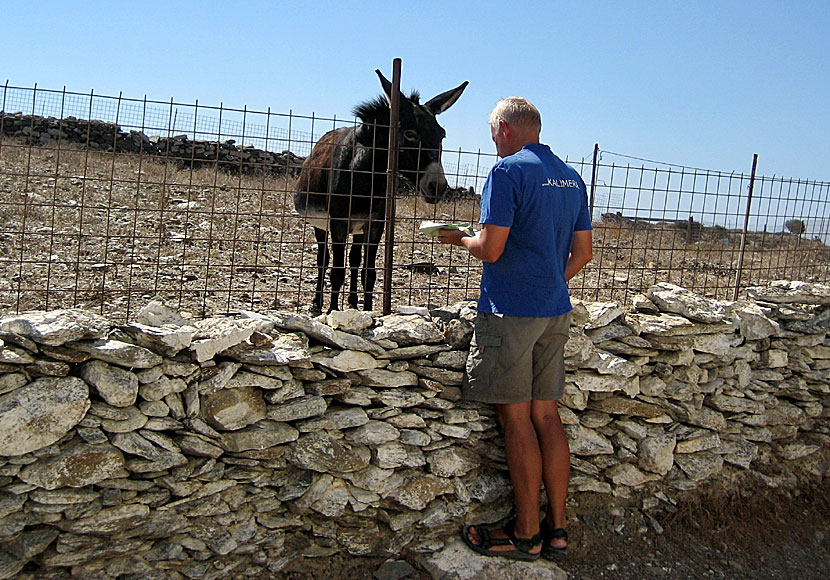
110 231
763 535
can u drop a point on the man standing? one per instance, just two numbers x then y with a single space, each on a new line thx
535 236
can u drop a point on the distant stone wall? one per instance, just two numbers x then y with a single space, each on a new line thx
102 136
223 448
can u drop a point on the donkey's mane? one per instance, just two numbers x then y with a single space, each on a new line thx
374 108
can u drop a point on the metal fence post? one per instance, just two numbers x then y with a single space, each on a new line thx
593 179
746 228
391 186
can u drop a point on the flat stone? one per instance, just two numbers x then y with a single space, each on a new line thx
283 350
134 444
593 382
615 405
606 363
40 413
350 320
12 355
215 335
300 408
740 453
628 475
382 378
734 404
700 466
601 314
118 353
193 445
133 420
400 399
29 544
452 461
319 452
789 292
168 339
391 455
217 378
117 386
407 330
11 381
584 441
56 327
656 454
373 433
108 521
697 444
157 390
455 561
231 409
418 490
79 466
346 361
677 300
794 451
261 435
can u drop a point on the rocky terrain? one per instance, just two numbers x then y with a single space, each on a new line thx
250 445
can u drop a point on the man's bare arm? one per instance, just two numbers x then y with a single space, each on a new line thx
487 245
581 253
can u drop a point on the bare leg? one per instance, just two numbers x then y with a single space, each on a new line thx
524 460
556 462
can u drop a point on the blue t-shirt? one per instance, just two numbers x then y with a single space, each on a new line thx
543 201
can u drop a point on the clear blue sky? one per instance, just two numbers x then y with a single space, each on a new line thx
702 83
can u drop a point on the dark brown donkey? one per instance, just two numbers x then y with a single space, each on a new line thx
342 186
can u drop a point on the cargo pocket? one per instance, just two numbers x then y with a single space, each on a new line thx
484 355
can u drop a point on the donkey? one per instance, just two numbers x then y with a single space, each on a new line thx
341 189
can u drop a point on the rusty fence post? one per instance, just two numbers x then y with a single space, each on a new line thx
391 186
594 179
746 228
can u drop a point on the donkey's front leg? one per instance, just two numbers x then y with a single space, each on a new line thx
369 274
322 237
339 233
354 267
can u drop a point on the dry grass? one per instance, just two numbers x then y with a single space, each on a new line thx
110 231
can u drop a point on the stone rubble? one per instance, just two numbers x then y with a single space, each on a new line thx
227 448
103 136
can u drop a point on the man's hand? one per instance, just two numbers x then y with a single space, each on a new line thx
487 244
451 237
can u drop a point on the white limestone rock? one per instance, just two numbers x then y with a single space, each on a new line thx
40 413
677 300
56 327
117 386
656 454
406 329
118 353
791 292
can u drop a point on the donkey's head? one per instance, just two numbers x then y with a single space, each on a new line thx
420 136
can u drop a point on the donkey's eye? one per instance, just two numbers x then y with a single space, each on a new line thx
411 135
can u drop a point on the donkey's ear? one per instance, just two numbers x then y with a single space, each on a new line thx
445 100
387 87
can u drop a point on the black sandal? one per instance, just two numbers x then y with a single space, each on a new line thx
549 534
522 546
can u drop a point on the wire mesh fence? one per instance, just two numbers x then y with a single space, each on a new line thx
108 202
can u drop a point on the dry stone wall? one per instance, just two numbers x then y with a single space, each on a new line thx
103 136
226 447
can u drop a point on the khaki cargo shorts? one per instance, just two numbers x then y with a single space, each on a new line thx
516 359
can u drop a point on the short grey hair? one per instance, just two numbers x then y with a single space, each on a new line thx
516 111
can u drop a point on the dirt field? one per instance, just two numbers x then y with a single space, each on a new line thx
108 232
764 535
